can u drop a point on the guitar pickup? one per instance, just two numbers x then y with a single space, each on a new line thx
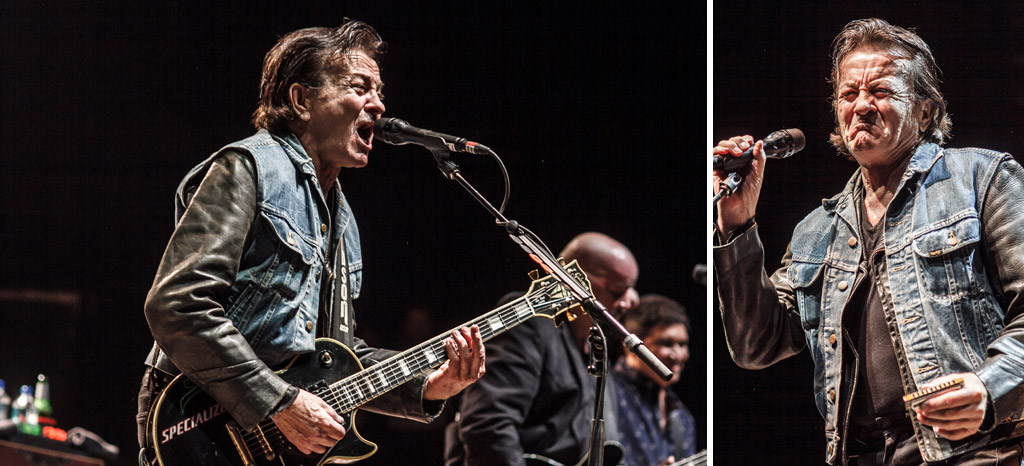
236 438
318 388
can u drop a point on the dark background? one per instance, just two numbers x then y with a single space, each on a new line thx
770 65
104 105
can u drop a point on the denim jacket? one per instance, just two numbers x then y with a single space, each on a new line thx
239 287
954 272
288 250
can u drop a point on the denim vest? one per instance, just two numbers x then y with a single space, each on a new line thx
939 304
275 299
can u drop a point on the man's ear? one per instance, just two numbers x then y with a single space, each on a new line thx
925 114
298 97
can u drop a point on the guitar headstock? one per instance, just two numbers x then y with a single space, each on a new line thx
552 299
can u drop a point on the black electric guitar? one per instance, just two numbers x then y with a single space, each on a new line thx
187 427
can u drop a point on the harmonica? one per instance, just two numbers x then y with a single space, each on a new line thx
913 400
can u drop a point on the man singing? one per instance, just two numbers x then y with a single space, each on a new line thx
265 255
908 278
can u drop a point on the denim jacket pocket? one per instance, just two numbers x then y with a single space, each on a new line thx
292 238
283 307
945 255
295 257
240 306
806 280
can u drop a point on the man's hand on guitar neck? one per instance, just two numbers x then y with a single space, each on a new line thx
464 366
310 424
313 426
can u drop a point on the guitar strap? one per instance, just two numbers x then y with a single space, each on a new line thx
334 318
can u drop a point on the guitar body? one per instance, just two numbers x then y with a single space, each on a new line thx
187 427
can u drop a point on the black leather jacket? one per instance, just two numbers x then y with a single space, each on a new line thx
951 290
186 305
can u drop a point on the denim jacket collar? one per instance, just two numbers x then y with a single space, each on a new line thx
924 158
297 153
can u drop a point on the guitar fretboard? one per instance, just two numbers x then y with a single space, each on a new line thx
358 389
700 459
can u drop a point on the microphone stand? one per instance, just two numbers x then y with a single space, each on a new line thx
540 254
598 367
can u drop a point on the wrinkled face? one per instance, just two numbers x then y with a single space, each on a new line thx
879 119
339 124
671 345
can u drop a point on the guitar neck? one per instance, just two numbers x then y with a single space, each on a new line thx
700 459
360 388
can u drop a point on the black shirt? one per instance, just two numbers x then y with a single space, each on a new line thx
877 405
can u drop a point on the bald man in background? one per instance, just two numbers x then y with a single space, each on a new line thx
537 396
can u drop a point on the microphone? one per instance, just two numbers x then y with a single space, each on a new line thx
700 274
778 145
398 132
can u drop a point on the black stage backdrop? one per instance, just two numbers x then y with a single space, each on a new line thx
770 64
105 105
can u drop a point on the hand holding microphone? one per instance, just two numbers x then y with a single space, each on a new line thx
778 145
740 154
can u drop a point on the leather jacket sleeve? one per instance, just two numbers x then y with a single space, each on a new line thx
184 306
1002 215
759 314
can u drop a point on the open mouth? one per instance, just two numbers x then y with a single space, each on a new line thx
365 132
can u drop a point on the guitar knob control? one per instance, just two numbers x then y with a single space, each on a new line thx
326 360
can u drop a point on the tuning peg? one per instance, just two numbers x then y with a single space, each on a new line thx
534 274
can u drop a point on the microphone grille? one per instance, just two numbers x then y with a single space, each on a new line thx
784 143
388 130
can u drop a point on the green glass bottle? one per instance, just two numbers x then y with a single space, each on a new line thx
43 396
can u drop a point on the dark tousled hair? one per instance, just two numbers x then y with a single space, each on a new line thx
308 56
920 70
652 311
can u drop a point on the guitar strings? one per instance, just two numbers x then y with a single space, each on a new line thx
392 371
700 459
509 315
506 314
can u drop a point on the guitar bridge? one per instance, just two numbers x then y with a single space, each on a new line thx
268 452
